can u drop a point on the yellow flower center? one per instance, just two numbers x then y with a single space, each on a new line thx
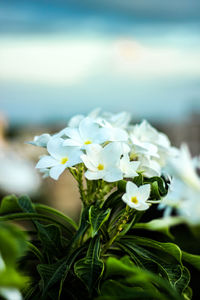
100 167
134 200
87 142
64 160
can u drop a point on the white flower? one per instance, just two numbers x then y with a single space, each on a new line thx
115 134
41 140
61 157
128 167
136 197
87 133
148 167
182 167
184 199
103 163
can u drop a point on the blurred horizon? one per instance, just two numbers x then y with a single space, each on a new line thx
60 58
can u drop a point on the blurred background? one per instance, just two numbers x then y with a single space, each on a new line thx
65 57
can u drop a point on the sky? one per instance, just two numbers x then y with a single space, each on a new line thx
59 58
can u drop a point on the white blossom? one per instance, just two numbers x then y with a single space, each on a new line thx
88 132
60 158
128 167
103 163
41 140
136 197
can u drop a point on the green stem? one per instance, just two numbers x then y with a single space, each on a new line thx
57 213
78 176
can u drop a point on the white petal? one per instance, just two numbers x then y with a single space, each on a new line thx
41 140
46 162
125 198
73 133
74 157
94 175
142 206
88 163
131 189
88 129
113 175
111 154
94 154
144 192
56 149
73 143
118 135
56 171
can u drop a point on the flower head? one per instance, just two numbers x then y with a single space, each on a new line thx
88 132
60 158
103 163
136 197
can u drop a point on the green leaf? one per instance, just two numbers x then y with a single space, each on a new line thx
182 283
138 180
53 273
112 289
167 256
90 268
127 273
155 194
160 187
9 204
113 200
192 259
11 278
44 208
97 218
161 225
13 243
50 236
168 248
26 204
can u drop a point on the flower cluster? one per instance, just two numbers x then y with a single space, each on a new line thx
112 149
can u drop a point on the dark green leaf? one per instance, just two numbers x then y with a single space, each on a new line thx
9 204
50 236
192 259
90 268
97 218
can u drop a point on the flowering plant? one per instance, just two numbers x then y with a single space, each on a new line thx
124 173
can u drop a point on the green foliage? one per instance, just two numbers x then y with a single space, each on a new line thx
100 258
97 218
90 268
12 246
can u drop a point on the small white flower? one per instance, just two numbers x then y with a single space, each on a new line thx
128 167
136 197
87 133
60 158
103 163
41 140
